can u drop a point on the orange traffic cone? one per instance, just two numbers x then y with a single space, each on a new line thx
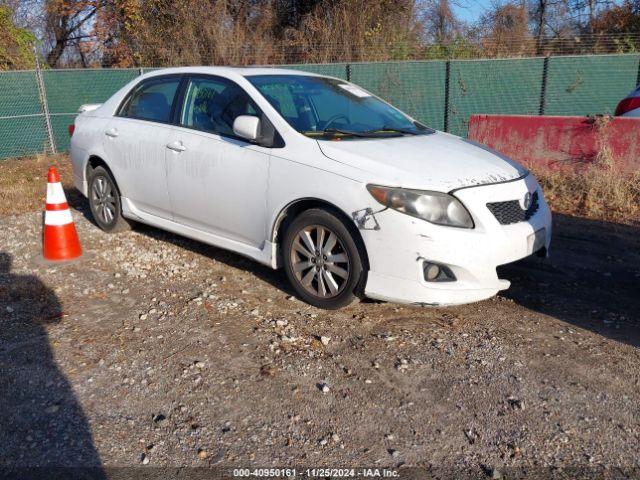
60 240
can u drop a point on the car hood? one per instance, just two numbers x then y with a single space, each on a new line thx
438 161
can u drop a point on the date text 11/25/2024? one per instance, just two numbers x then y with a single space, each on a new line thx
316 472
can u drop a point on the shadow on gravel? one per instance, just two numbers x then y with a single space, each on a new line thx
79 202
591 280
277 278
41 424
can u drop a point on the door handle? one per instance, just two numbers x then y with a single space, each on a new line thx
112 132
176 147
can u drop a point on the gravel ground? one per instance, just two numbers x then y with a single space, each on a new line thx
156 350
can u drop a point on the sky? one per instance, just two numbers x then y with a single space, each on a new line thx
470 10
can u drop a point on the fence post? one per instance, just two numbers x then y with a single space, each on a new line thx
543 87
447 76
348 71
44 102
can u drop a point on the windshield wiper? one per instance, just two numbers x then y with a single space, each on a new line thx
394 129
367 134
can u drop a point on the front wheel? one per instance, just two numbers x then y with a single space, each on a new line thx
322 260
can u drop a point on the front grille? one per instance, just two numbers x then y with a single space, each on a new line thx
511 212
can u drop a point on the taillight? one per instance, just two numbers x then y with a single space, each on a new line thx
72 129
627 104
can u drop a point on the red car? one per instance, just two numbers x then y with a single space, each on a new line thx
630 106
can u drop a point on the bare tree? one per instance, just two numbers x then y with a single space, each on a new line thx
539 15
290 13
68 22
439 21
505 30
358 30
583 12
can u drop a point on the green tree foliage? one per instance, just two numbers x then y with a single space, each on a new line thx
15 43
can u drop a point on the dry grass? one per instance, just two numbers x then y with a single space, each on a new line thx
601 193
23 182
263 33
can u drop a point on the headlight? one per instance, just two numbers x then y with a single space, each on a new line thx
434 207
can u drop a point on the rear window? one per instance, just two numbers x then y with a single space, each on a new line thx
152 100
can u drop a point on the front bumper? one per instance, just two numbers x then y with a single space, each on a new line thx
398 250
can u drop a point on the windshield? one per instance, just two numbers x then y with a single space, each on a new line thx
326 108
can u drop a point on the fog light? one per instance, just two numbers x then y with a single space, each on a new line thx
431 271
437 273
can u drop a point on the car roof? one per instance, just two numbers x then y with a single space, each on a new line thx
231 71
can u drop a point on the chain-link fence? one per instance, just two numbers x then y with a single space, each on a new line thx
36 106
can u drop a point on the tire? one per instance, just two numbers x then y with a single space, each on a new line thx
326 278
104 201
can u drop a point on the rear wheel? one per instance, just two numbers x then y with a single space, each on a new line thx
321 259
104 200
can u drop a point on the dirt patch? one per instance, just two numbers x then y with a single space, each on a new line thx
23 182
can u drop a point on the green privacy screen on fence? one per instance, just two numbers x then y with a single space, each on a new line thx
589 84
22 123
338 70
498 86
68 89
414 87
439 93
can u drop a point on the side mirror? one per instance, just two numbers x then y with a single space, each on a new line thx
247 126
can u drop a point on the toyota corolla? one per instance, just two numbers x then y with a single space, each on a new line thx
351 196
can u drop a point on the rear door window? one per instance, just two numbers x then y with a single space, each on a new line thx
152 100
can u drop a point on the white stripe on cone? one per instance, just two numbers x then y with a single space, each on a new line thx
55 194
57 218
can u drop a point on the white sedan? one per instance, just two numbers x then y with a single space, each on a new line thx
310 173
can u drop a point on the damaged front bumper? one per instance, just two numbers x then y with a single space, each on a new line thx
399 246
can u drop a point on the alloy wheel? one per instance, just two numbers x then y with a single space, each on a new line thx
104 202
320 262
